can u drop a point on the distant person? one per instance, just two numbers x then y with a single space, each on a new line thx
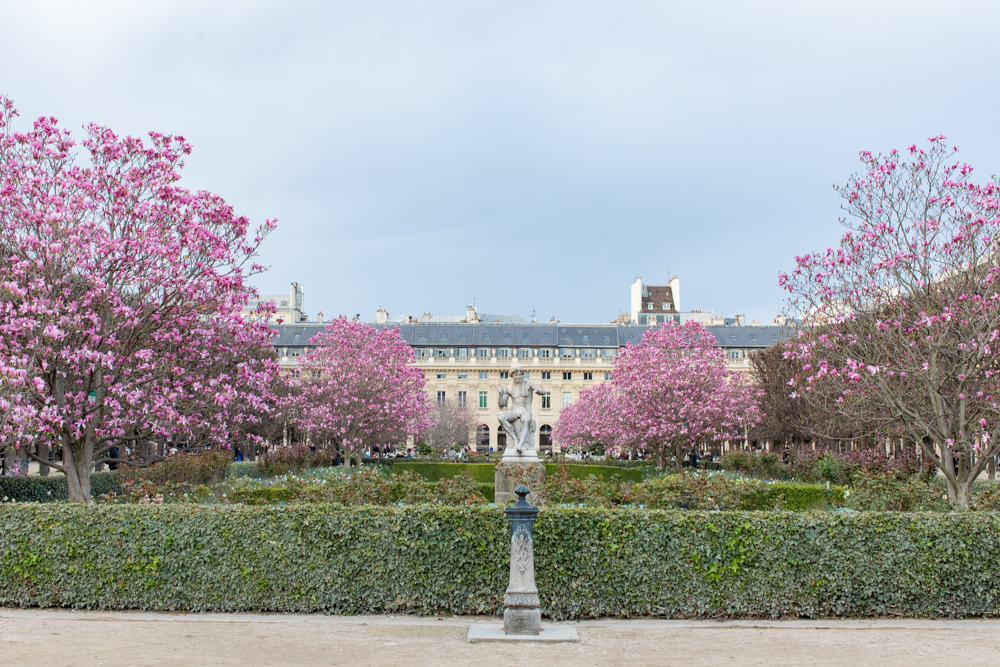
113 454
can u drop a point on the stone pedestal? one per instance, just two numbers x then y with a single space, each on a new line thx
521 615
510 474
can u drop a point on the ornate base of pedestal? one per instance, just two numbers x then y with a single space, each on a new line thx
519 621
509 475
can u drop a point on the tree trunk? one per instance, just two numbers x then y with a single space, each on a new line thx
77 463
991 468
43 453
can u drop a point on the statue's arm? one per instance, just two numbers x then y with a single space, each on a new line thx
502 398
538 390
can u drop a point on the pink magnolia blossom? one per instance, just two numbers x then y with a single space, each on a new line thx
359 387
912 295
120 298
666 395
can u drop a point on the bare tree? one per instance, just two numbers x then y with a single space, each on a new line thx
454 425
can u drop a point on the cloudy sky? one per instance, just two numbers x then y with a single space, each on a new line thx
531 155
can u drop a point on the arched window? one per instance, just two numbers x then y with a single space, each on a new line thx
545 437
483 436
501 439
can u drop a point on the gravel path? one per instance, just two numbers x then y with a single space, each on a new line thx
118 639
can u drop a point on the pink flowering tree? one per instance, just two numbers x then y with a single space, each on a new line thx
582 424
358 388
669 393
905 314
121 296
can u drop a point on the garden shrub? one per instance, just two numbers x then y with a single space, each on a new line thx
284 460
264 494
881 492
563 487
241 469
53 487
484 472
589 562
433 471
720 492
191 469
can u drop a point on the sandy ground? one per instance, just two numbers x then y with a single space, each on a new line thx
70 638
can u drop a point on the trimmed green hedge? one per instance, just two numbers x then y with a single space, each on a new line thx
481 472
589 562
484 472
577 471
795 496
53 487
487 491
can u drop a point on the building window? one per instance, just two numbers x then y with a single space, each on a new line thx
486 336
484 375
545 437
588 375
483 436
440 397
608 352
503 352
463 376
567 398
463 351
524 352
482 400
567 375
649 306
547 401
423 352
545 353
464 336
483 352
527 374
504 375
732 336
628 335
607 338
545 336
566 352
753 336
665 306
735 354
442 352
461 399
588 352
442 375
506 336
586 337
607 375
546 375
774 336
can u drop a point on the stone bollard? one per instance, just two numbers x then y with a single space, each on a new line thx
521 615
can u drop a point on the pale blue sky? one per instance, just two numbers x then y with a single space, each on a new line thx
531 154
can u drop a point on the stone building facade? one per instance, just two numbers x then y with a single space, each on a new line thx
467 360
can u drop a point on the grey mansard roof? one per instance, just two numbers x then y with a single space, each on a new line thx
535 335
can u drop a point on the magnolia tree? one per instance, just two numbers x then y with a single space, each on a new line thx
359 388
121 296
581 425
669 393
453 424
906 312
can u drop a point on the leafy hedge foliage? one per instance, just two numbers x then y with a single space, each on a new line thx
53 487
484 472
432 472
589 562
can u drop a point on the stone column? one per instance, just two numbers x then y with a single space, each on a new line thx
521 615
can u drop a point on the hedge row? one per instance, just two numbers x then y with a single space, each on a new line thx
53 487
281 494
589 562
483 472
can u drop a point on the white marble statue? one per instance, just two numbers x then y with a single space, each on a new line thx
517 421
